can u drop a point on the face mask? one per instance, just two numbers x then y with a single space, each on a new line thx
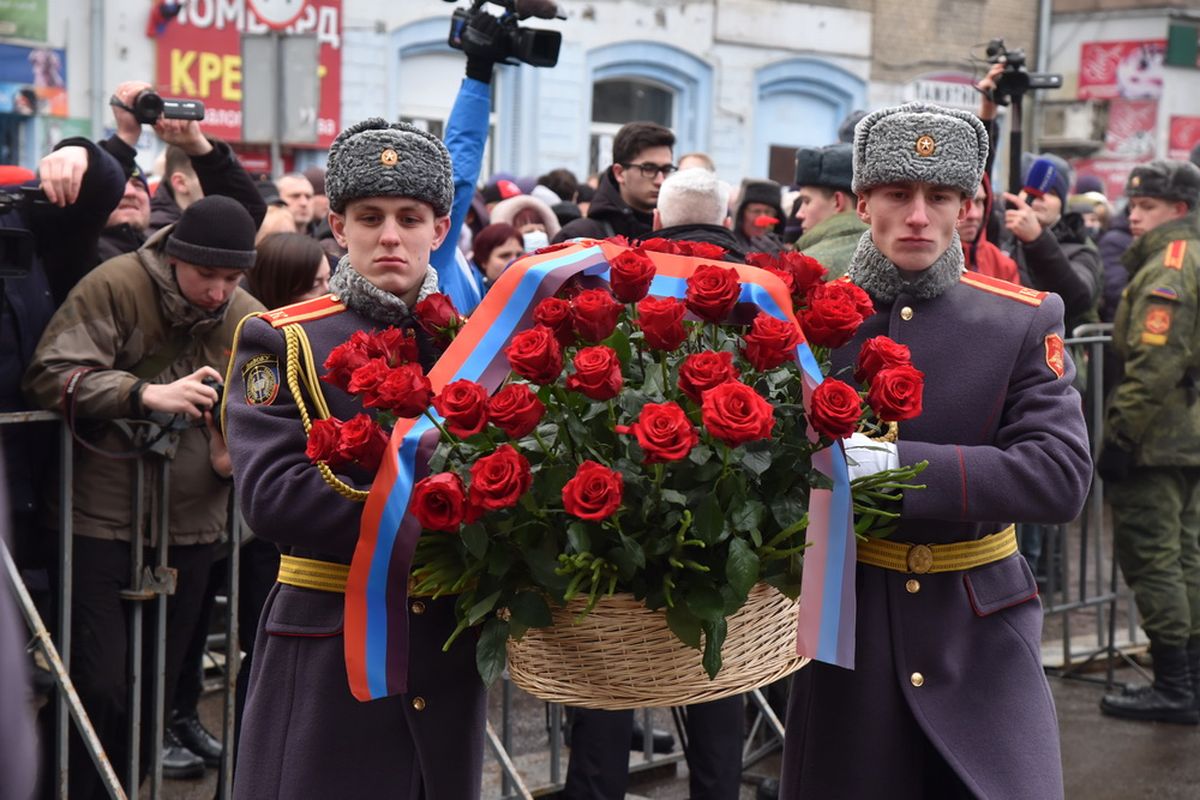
535 240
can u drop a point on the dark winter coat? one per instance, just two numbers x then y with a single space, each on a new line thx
609 215
1064 261
1113 244
710 234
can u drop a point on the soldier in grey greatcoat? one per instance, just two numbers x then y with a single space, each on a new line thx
304 734
947 697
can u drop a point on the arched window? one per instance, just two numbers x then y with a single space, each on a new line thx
620 100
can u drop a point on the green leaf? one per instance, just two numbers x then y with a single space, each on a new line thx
684 625
578 538
482 608
491 653
748 516
741 570
706 603
476 539
499 559
714 638
710 520
631 401
619 340
672 496
543 561
530 610
757 457
634 550
700 454
787 510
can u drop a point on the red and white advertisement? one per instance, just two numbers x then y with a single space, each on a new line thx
1129 69
200 56
1131 129
1183 136
1114 173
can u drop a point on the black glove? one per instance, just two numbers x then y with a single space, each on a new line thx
1115 462
482 42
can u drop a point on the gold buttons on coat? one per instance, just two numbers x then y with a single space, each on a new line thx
418 703
917 679
906 313
912 586
418 607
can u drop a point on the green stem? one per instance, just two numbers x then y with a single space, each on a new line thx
445 433
662 359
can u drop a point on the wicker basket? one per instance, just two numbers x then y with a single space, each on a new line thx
624 656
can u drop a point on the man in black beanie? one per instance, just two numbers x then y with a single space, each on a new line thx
136 339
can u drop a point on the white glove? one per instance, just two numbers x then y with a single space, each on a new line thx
864 456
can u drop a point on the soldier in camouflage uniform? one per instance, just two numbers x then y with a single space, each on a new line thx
827 206
1151 454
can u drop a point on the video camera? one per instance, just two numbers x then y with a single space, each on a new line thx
17 244
536 47
1015 81
149 105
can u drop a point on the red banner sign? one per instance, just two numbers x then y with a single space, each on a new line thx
1131 129
200 56
1130 69
1184 135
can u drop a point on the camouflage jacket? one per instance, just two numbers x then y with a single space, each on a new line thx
833 241
1154 410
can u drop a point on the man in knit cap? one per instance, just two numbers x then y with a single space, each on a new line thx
947 697
390 191
137 338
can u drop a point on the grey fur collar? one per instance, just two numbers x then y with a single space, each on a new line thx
880 278
364 297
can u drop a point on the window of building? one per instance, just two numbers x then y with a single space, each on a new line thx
616 101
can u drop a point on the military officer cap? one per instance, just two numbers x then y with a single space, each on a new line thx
1165 180
375 158
922 143
831 167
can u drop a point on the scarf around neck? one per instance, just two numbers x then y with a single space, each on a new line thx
875 273
363 297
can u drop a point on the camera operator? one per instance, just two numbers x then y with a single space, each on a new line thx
139 335
1052 250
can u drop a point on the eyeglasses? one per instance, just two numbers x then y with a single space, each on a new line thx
650 170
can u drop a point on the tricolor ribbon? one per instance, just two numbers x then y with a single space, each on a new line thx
376 620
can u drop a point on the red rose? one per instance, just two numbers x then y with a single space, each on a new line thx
896 392
735 414
771 342
594 314
835 409
516 410
594 493
555 314
806 271
405 392
661 321
366 380
439 502
550 248
700 372
630 274
784 275
438 316
597 373
323 440
344 359
658 244
498 481
362 440
396 346
664 432
705 250
712 292
833 314
535 354
463 404
879 352
619 240
762 260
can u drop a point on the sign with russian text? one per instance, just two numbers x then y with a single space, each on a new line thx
199 56
1129 69
1183 136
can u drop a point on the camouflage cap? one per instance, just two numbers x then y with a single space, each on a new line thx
1165 180
375 158
919 142
831 167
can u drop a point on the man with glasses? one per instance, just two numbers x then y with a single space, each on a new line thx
628 191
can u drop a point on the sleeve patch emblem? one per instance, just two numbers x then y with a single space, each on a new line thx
1165 293
1055 357
260 375
1158 320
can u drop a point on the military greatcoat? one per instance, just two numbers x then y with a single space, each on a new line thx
948 669
304 734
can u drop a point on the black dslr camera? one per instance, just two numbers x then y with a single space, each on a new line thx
218 387
17 245
536 47
1015 81
149 105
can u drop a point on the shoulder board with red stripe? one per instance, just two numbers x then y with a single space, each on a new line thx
323 306
1176 252
1012 291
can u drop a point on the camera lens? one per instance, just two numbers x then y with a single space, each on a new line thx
147 107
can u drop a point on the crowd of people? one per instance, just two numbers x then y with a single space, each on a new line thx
128 320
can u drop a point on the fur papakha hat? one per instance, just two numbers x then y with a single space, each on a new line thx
919 142
377 158
1165 180
830 167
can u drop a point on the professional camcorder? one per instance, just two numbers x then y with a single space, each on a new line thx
149 105
17 243
1015 81
536 47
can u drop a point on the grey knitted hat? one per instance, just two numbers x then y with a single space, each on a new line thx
830 167
1166 180
919 142
375 158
